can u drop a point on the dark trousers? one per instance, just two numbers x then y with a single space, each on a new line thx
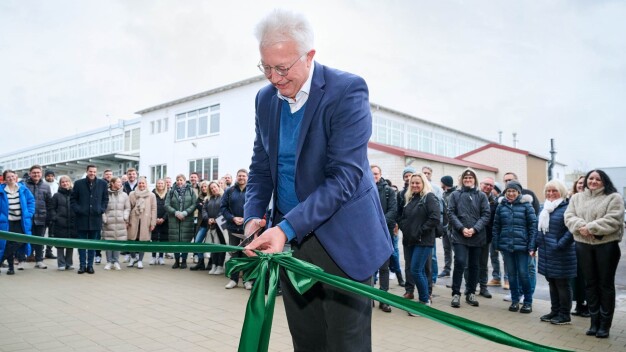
409 283
40 231
11 247
326 318
86 256
483 269
599 264
383 273
447 252
158 236
578 286
235 241
465 256
560 296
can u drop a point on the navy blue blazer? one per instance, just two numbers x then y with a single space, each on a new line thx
337 193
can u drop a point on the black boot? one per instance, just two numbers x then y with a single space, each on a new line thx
595 322
605 325
183 264
199 266
176 261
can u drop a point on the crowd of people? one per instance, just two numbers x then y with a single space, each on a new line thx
572 238
120 208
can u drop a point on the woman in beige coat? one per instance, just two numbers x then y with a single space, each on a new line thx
143 215
115 220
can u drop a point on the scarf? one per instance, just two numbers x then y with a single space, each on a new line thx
140 197
544 216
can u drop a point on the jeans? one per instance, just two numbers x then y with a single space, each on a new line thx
517 263
113 256
465 256
199 239
86 256
419 258
434 268
394 263
40 231
64 257
495 261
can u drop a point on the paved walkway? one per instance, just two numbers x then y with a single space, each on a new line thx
160 309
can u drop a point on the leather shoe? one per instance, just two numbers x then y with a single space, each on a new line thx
81 270
90 270
10 272
384 307
408 295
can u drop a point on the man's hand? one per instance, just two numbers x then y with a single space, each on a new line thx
253 226
238 220
272 241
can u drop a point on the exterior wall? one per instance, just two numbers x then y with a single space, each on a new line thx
393 165
618 177
505 161
232 145
537 176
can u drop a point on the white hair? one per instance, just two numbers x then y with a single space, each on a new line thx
283 25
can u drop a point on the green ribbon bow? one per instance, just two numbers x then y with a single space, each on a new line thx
302 275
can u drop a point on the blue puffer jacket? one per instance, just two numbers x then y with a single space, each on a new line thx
557 251
27 202
515 225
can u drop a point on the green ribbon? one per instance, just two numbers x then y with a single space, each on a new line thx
260 312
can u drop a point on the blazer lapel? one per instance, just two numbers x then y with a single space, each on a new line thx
315 96
274 126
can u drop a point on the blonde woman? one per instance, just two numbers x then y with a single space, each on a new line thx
115 220
62 221
143 215
159 234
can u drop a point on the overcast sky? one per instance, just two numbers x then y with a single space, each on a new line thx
542 69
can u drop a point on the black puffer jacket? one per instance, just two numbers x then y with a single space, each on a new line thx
43 195
468 208
420 218
61 215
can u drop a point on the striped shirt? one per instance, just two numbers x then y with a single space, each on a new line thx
15 208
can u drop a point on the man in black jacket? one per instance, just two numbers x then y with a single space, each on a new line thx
389 204
89 201
447 185
233 201
41 192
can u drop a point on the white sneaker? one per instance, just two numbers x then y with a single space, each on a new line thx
247 285
107 267
392 276
41 265
161 261
131 263
61 268
117 266
195 259
507 298
98 260
219 270
139 265
127 258
212 271
231 284
20 266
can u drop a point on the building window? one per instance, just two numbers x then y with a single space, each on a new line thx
388 132
197 123
131 140
207 168
157 172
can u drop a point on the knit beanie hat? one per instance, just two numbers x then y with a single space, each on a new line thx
515 185
48 172
447 181
497 187
408 169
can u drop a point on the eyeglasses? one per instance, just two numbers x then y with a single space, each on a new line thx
487 184
281 71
